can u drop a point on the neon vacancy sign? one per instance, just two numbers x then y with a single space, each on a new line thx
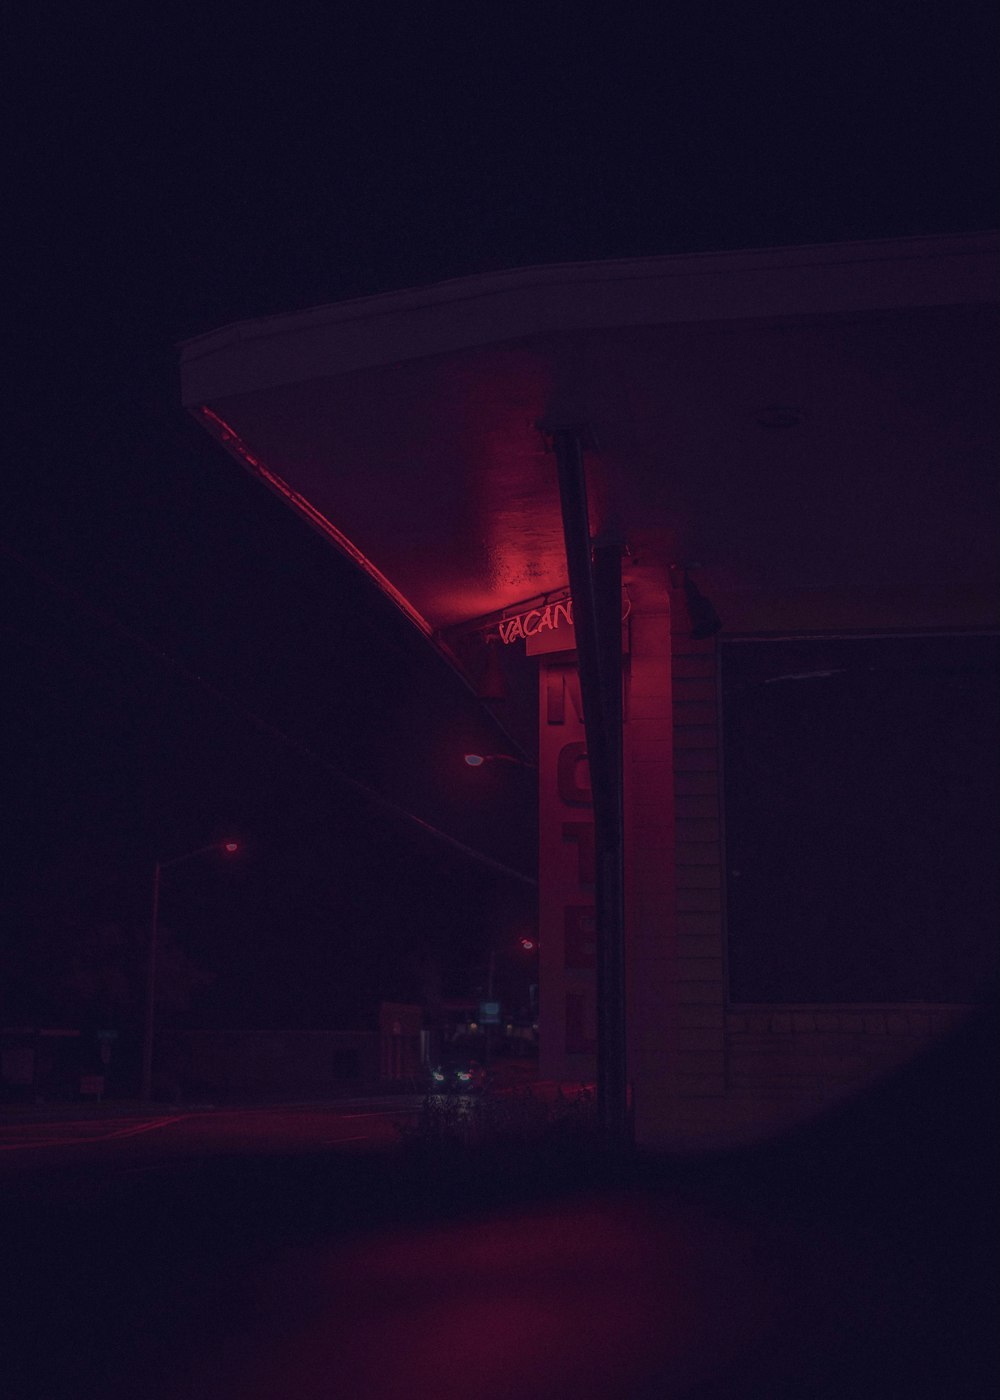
551 618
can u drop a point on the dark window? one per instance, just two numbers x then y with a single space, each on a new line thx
861 799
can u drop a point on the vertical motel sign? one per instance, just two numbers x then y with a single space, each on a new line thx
567 873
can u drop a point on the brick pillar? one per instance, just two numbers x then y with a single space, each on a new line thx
649 850
674 871
701 991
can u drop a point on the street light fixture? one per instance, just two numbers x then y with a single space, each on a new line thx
146 1085
476 760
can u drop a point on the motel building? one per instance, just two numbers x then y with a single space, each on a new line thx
733 518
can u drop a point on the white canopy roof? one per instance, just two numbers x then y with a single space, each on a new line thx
793 419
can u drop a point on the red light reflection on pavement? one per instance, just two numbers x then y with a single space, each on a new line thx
76 1134
585 1300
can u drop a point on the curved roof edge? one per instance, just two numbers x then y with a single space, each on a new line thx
490 308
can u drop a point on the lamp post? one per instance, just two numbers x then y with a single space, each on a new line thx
146 1084
479 760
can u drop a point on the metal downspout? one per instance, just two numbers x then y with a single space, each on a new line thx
595 583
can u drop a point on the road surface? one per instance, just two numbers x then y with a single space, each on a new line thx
855 1260
98 1145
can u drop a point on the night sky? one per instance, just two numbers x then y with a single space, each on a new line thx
186 660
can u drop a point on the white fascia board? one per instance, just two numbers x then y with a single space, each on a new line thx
470 312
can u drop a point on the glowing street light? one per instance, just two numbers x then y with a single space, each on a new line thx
476 760
146 1085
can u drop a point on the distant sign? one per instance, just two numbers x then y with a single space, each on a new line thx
489 1013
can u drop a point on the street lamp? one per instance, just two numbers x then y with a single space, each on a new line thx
146 1086
476 760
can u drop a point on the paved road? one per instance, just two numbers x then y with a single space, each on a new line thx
855 1260
100 1146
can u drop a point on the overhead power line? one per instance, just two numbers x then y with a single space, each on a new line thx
256 721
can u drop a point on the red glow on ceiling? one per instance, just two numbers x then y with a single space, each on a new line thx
234 443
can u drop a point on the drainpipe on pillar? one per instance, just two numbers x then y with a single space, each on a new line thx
595 582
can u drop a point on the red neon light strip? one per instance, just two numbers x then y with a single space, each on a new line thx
234 443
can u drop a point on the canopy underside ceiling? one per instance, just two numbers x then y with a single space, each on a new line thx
848 449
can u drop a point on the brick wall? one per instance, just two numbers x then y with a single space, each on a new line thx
651 949
740 1071
821 1052
700 969
702 1070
